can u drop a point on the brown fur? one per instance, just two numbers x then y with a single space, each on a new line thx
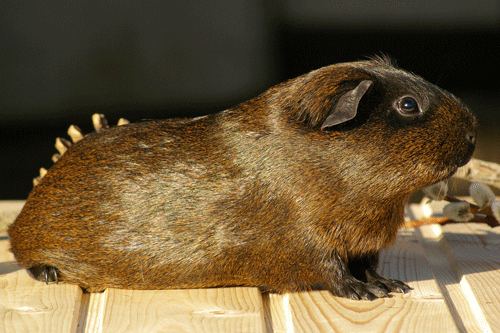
257 195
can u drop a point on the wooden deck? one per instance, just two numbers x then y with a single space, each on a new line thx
454 270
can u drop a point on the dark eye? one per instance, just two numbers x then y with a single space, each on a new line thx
408 106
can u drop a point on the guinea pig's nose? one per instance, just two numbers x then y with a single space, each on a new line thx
471 137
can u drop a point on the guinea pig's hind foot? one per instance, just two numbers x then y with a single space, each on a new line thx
44 273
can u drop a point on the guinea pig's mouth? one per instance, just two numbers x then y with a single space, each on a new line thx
465 158
450 165
456 162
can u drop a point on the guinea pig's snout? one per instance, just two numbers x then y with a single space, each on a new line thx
470 137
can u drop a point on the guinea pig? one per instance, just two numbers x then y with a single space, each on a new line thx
299 187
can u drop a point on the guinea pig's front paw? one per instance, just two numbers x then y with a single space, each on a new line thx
358 290
391 285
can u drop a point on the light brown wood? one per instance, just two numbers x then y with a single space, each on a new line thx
278 313
92 313
27 305
444 269
422 310
193 310
476 251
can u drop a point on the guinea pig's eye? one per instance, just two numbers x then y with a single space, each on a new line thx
408 106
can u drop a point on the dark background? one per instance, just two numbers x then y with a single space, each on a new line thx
60 62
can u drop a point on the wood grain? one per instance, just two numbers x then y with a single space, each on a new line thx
422 310
476 251
447 276
193 310
27 305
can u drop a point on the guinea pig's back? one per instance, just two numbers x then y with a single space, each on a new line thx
135 192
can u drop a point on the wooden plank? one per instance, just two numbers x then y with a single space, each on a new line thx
91 313
444 267
27 305
476 250
192 310
422 310
278 316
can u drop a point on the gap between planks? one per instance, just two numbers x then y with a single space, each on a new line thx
455 287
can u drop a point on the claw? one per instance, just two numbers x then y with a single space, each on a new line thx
391 285
358 290
45 274
53 275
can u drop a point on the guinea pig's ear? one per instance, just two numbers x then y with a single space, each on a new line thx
347 105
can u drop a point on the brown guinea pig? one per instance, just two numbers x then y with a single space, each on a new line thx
299 187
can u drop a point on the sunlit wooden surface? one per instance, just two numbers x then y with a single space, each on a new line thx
454 270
